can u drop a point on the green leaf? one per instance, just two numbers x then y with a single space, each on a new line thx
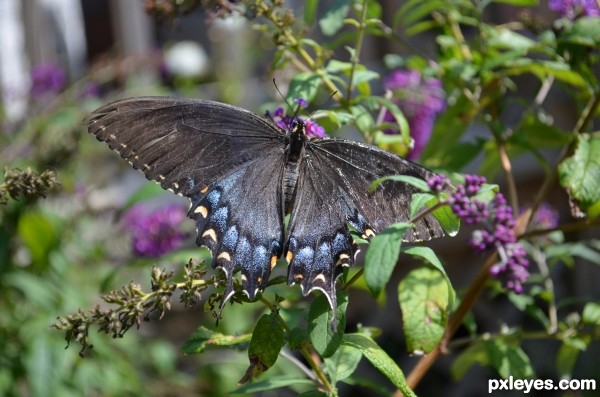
377 102
508 359
304 85
39 234
591 314
204 337
310 10
342 363
333 20
424 297
580 173
411 180
382 256
270 384
428 255
449 222
362 118
334 66
584 31
147 191
267 340
474 354
519 3
380 360
503 38
326 340
567 355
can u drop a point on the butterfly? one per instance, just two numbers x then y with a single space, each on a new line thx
244 174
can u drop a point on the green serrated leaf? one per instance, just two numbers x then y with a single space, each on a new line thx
333 20
204 337
424 298
268 338
382 256
429 256
342 363
380 360
580 173
326 340
304 85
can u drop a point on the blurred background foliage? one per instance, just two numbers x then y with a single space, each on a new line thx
498 88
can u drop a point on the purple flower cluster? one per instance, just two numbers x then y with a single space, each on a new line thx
47 78
155 231
497 232
420 99
571 9
283 121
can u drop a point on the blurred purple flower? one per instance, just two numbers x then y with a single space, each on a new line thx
283 121
91 90
420 99
497 221
47 78
546 217
155 231
571 9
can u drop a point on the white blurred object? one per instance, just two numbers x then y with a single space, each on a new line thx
187 59
14 75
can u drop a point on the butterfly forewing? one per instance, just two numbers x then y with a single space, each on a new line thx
183 144
354 166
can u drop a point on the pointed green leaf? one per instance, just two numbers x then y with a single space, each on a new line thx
303 85
424 297
343 363
267 340
333 20
310 10
411 180
326 340
508 358
382 256
271 384
580 173
204 337
380 360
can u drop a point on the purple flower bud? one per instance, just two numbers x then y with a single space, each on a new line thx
301 102
155 232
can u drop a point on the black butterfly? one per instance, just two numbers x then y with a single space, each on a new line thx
243 174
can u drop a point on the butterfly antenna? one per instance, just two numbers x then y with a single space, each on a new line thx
321 105
285 100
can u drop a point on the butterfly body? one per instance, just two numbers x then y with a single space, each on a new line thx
243 174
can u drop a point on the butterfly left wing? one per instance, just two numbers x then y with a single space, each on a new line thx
227 160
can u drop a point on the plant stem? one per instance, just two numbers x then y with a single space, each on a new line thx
358 47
